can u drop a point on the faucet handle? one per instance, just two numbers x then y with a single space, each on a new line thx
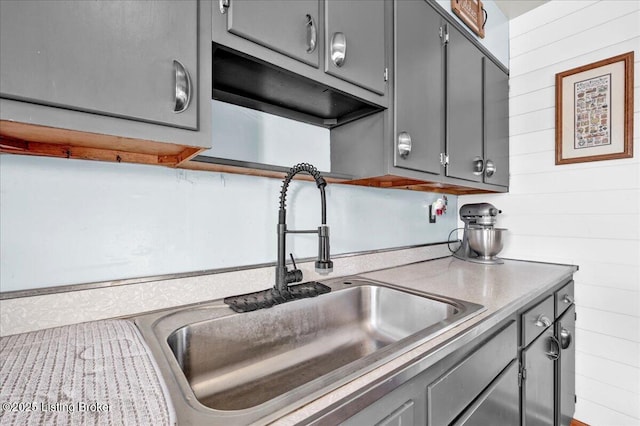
295 275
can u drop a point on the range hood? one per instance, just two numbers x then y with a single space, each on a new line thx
246 81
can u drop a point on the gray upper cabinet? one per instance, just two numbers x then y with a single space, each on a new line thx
419 92
496 121
464 107
321 58
128 59
354 40
288 27
447 128
477 114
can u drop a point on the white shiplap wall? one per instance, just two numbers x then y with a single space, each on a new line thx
586 214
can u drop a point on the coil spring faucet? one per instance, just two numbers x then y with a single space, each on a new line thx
323 265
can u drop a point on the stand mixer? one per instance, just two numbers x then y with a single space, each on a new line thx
481 241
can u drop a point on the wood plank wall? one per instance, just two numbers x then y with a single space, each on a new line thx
586 214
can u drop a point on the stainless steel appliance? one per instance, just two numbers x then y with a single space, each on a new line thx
481 241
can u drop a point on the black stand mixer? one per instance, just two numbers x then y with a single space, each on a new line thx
481 241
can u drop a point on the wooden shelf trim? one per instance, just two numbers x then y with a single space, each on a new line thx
30 139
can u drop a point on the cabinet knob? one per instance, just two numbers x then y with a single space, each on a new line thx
404 144
183 87
490 168
223 5
567 299
338 49
478 166
312 34
542 321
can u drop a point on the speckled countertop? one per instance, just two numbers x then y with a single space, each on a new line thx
502 289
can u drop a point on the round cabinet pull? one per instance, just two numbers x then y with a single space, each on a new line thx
554 348
338 49
567 299
312 34
183 87
565 338
404 144
542 321
478 166
490 168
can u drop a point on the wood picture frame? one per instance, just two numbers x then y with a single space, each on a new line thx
594 111
472 13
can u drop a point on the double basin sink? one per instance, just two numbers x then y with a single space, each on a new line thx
223 367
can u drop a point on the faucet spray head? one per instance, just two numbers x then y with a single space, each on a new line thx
324 265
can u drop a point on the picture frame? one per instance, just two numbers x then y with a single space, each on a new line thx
594 111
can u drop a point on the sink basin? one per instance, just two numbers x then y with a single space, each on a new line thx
244 367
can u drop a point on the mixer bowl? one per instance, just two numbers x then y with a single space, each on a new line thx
487 242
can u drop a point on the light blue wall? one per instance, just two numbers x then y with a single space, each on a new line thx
254 136
496 30
70 221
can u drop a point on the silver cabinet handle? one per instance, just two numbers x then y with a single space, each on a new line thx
478 166
565 338
567 299
312 34
490 168
223 5
338 49
542 321
404 144
183 87
554 348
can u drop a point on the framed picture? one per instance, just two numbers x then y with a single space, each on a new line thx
594 111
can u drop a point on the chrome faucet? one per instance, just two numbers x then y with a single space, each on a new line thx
323 265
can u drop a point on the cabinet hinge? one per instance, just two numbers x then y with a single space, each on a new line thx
522 376
223 5
444 34
444 159
386 74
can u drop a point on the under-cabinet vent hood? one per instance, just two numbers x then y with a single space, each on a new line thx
246 81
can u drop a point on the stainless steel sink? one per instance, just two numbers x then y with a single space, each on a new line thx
241 368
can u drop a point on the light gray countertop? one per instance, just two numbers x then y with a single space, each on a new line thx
502 289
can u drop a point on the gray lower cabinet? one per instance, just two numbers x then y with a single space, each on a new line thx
566 367
548 360
521 372
497 404
477 385
538 385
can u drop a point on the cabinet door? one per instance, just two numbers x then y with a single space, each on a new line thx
288 27
565 332
464 108
355 42
419 85
539 385
498 404
111 58
496 122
